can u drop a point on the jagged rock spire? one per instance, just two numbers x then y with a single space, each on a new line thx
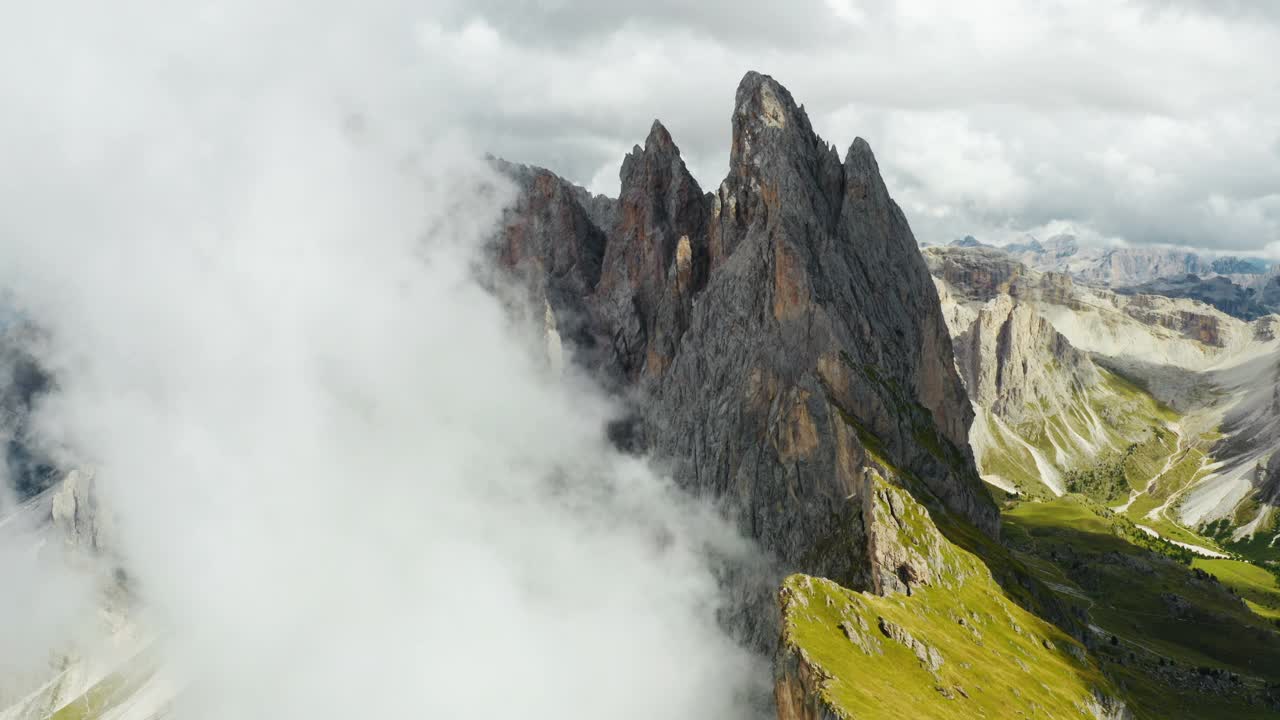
657 257
777 166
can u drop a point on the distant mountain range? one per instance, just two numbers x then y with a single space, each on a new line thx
1244 287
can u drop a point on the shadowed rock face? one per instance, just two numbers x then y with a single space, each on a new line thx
22 381
775 337
1269 295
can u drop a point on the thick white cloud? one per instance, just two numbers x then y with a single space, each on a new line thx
1144 122
346 483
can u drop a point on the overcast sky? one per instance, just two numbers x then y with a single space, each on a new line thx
1154 121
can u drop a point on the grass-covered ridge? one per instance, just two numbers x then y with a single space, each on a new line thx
958 647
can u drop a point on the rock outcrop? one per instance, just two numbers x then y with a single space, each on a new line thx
77 516
797 690
774 338
980 273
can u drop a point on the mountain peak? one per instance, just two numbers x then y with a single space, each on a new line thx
659 139
764 100
778 168
768 122
859 150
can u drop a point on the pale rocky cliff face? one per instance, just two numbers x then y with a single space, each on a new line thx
1125 328
774 338
1012 360
1017 365
77 515
1022 375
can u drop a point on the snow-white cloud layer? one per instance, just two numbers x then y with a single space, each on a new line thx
346 483
1147 121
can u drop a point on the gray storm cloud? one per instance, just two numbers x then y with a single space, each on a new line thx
346 482
1146 121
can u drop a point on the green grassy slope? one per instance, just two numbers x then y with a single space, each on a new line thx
1165 635
959 648
1172 626
1259 587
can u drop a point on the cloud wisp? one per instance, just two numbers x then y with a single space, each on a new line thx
345 483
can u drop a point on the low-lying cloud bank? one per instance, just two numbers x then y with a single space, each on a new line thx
346 483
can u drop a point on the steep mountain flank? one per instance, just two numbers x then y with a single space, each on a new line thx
1269 293
1239 498
774 338
103 666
